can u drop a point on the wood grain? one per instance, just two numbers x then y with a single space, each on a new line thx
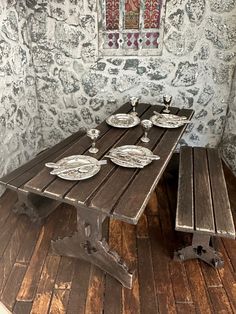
185 201
184 288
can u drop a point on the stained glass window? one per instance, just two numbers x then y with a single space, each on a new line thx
131 27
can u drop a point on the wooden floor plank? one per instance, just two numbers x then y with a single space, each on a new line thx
130 297
13 284
219 300
142 227
29 243
230 246
7 201
22 307
228 279
198 288
182 293
211 276
147 280
44 291
12 249
151 208
59 301
79 288
65 273
113 289
186 308
94 302
161 260
6 231
32 276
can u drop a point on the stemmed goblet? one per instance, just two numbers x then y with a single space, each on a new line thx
93 134
134 102
146 125
167 100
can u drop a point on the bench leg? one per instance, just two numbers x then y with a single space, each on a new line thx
202 247
36 207
88 244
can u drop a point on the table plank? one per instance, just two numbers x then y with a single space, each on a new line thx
133 202
120 181
185 208
40 181
81 193
59 187
223 215
22 174
204 220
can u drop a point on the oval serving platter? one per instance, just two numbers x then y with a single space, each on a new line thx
90 166
165 123
132 156
123 120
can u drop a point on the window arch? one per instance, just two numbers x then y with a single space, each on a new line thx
131 27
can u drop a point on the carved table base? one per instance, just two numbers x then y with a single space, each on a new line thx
36 207
202 247
88 244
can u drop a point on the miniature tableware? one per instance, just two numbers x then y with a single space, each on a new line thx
146 125
167 100
93 134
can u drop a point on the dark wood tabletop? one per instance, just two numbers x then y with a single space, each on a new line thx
118 192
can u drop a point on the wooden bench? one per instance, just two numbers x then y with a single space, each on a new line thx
35 206
203 206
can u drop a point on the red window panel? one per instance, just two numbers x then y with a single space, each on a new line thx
112 14
152 13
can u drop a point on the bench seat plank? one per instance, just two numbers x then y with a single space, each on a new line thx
185 200
204 216
212 213
207 210
223 215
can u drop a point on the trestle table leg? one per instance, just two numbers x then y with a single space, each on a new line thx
88 244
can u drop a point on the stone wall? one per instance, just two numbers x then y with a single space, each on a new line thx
20 127
77 89
228 144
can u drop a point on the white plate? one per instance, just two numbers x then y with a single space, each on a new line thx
76 161
170 123
123 120
132 156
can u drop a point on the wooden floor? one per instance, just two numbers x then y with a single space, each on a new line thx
34 280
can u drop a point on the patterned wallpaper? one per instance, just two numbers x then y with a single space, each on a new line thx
49 49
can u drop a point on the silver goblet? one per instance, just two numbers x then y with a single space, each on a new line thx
93 134
134 102
146 125
167 100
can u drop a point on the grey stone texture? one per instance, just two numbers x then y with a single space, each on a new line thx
228 142
52 82
20 128
195 10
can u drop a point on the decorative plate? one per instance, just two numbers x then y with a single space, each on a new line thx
132 156
168 122
123 120
76 167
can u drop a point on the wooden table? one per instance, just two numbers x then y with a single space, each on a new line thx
120 193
